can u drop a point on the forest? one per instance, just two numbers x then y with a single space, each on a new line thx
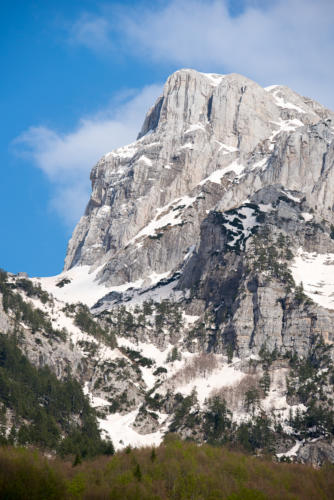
175 470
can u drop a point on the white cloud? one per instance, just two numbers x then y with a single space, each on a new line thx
275 41
90 31
67 159
289 42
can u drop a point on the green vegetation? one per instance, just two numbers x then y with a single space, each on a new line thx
36 319
332 232
47 412
164 315
159 371
175 470
63 282
214 424
256 434
300 296
232 222
137 357
32 290
270 255
86 322
173 355
311 381
217 421
186 414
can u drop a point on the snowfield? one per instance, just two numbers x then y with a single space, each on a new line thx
119 429
316 272
83 286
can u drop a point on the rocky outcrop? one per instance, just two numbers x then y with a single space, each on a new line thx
241 273
209 142
4 321
317 454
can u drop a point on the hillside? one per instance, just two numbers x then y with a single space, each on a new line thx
174 470
197 292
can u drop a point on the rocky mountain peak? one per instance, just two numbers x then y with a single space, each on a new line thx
209 141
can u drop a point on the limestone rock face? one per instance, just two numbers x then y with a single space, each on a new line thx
216 151
242 274
210 141
317 453
4 322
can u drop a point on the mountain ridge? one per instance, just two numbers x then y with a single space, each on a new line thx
204 265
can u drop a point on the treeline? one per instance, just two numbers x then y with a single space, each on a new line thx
38 409
175 470
158 315
23 311
310 383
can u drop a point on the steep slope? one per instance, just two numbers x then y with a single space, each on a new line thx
42 402
209 141
206 255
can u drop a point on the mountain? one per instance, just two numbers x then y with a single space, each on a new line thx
209 142
198 290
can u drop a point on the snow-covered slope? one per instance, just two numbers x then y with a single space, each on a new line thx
316 272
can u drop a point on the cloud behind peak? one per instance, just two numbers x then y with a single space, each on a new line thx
67 158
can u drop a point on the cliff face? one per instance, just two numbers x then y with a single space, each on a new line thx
209 145
209 142
245 273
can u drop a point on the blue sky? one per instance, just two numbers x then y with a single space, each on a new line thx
78 77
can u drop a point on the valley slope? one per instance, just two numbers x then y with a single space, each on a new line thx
204 265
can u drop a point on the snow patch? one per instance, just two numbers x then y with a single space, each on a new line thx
265 208
119 429
226 148
147 161
290 196
94 400
156 277
271 87
189 319
285 126
307 217
214 78
204 385
83 286
292 452
147 350
102 213
260 164
316 272
284 104
168 215
188 145
194 128
125 152
217 175
234 221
